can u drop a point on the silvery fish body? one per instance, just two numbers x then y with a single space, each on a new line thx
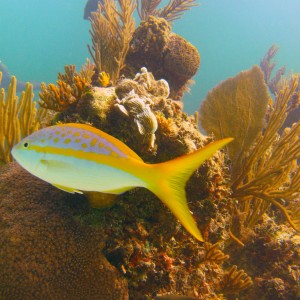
80 158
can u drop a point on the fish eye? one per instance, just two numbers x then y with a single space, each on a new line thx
26 145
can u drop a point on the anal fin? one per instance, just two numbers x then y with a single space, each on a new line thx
100 200
66 189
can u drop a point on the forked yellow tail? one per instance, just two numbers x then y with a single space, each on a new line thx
170 180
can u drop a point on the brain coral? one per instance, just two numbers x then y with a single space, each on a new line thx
44 252
165 54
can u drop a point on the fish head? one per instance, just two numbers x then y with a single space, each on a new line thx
25 152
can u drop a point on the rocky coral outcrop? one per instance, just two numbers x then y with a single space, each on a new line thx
166 54
44 252
271 256
143 240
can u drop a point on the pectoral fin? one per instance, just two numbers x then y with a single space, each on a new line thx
66 189
54 164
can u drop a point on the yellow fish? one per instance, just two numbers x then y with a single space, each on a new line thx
80 158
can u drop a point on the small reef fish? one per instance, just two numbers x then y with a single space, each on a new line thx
6 77
78 158
91 6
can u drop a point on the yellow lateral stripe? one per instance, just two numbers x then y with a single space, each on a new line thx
129 165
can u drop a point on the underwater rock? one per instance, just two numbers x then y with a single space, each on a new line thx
45 253
94 105
91 108
271 257
166 54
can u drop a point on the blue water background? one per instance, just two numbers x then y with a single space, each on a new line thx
37 38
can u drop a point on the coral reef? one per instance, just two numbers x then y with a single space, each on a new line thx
18 117
154 259
64 257
69 89
166 55
263 179
130 103
117 48
45 253
271 256
245 200
158 259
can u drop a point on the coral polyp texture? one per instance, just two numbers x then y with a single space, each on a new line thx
45 253
166 54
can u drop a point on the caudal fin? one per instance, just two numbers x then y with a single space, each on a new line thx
171 178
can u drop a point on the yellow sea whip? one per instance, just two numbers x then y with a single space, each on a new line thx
79 158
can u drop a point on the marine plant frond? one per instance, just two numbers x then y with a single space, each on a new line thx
237 108
270 173
175 9
235 281
293 210
261 152
19 117
111 33
214 254
147 8
87 71
68 77
267 65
